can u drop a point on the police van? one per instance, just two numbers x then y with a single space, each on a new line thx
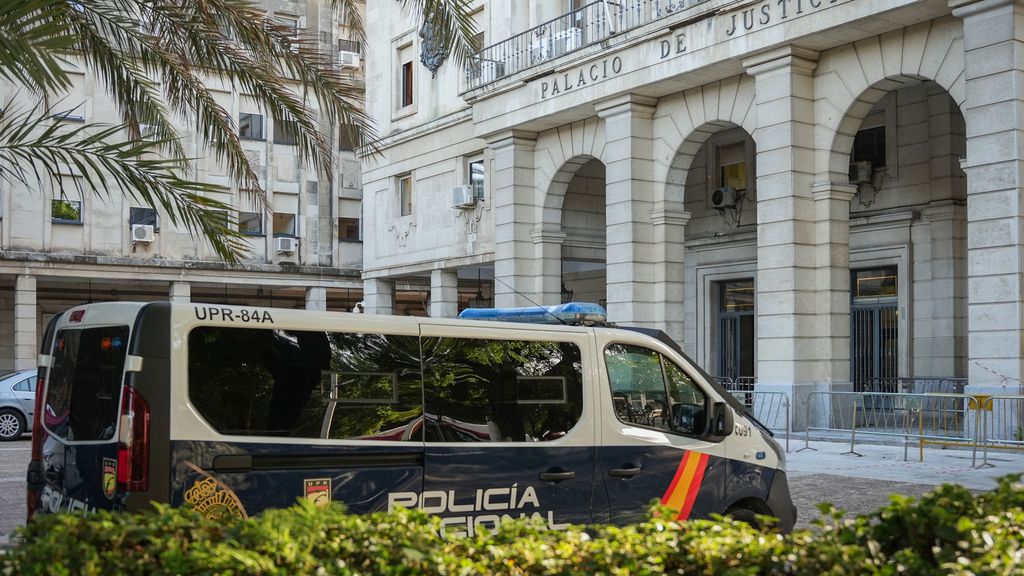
233 410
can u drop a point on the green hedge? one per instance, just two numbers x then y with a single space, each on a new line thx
949 531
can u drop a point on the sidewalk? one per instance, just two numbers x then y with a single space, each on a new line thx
880 462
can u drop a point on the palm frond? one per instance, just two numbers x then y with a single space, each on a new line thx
33 36
34 149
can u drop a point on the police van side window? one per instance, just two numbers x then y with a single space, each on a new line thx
479 390
305 384
649 390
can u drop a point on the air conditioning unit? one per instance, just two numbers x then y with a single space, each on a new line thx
491 71
724 197
566 41
348 59
143 233
860 172
285 244
463 197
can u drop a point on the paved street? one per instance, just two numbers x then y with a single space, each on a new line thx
856 484
14 457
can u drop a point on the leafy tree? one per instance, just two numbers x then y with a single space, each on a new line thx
157 60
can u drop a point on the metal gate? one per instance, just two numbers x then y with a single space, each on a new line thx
874 346
736 330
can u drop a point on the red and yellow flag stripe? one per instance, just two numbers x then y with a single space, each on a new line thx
682 492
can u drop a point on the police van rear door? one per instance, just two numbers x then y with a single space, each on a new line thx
509 424
81 410
282 405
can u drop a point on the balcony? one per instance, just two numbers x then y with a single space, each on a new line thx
566 34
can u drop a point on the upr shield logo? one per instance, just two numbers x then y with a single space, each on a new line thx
109 477
318 491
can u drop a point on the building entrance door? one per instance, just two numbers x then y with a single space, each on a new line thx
736 331
874 330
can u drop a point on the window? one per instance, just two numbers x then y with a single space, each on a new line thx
500 390
476 178
304 384
250 126
869 145
66 211
348 229
405 194
406 76
649 390
290 27
732 166
250 223
286 132
349 137
284 224
143 216
476 43
85 383
26 385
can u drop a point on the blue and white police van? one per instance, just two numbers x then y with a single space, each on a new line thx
510 413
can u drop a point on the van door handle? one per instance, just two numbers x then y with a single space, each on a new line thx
624 472
557 476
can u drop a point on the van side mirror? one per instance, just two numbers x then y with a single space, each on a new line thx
721 420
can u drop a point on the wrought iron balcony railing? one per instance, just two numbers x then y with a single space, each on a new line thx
566 34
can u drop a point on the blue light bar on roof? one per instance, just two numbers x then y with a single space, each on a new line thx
574 313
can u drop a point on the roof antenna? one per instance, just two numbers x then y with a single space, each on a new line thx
530 300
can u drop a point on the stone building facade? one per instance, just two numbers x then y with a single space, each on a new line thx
61 246
816 194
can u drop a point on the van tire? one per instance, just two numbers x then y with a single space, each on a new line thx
12 425
748 512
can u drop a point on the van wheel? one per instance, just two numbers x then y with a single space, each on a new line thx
746 515
12 425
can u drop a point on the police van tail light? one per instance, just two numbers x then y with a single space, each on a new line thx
133 442
35 466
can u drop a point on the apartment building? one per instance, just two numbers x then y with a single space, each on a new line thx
61 245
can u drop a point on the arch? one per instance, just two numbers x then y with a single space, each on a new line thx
684 122
850 79
558 154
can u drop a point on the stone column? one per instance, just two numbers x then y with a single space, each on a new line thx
444 294
514 201
547 250
26 342
316 298
994 115
629 159
832 263
669 221
378 296
180 292
787 333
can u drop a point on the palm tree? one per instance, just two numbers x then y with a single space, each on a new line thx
156 60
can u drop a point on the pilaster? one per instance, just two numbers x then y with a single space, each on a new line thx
629 201
316 298
994 117
378 296
444 293
547 250
26 318
180 292
515 202
669 222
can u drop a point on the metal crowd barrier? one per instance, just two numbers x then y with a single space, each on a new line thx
1000 422
769 408
925 418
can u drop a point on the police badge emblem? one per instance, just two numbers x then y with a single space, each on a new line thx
318 491
109 477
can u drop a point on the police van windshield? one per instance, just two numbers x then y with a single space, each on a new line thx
84 384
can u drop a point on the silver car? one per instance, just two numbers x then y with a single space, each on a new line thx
17 403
